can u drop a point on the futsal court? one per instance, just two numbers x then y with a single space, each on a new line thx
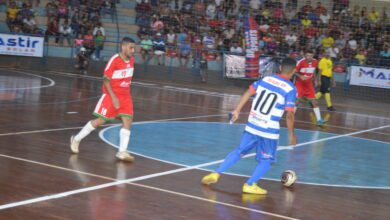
180 133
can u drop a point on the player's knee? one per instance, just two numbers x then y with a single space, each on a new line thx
98 122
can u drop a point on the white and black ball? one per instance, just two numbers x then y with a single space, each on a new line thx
288 178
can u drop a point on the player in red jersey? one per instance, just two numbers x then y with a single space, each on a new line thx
116 101
305 76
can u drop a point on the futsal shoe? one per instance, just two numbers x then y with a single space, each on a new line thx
124 156
254 189
74 145
321 122
211 178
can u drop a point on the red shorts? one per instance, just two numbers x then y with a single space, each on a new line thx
305 89
106 110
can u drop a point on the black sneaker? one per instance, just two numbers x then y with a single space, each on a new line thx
331 109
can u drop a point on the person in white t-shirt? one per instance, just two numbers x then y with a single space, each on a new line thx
236 49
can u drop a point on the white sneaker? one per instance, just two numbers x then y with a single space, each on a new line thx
124 156
74 145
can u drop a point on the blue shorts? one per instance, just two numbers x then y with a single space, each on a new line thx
265 147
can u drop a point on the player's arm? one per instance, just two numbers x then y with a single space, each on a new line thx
241 103
114 98
290 117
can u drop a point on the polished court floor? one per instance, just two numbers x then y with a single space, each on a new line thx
180 132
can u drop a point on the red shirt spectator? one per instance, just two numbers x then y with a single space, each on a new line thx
311 32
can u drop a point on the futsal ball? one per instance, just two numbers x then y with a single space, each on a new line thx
288 178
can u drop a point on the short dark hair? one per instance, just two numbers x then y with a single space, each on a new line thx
288 64
127 40
309 51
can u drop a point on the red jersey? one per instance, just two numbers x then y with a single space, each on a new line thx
120 74
307 69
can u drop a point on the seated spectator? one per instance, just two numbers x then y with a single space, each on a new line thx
384 56
306 22
361 57
327 42
143 8
236 49
347 54
82 61
353 44
65 31
307 7
146 48
209 41
63 11
185 52
373 16
51 10
108 7
320 9
159 49
291 38
99 44
12 12
156 25
211 10
325 17
29 24
171 39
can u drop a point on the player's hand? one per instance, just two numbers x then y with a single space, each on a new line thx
293 140
115 102
235 115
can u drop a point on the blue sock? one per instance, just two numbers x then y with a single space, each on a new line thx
230 159
259 172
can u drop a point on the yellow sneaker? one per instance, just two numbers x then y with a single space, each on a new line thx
254 189
211 178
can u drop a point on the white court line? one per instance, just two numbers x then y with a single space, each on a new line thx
150 187
106 185
105 125
250 155
52 82
203 92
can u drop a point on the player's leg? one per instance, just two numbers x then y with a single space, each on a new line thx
85 131
326 91
265 153
126 114
102 111
310 94
248 142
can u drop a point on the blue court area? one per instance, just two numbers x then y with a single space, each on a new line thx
345 161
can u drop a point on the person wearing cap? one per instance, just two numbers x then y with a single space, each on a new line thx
325 68
82 61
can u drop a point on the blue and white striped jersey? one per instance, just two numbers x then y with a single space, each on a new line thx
274 95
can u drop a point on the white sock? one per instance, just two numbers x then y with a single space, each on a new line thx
295 109
317 113
124 138
87 129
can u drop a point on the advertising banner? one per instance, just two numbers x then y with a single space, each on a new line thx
369 76
20 45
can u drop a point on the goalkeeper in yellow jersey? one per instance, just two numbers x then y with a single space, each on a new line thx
325 67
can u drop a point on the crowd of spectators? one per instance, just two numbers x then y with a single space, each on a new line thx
350 33
76 21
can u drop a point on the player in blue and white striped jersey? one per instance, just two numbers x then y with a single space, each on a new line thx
273 96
